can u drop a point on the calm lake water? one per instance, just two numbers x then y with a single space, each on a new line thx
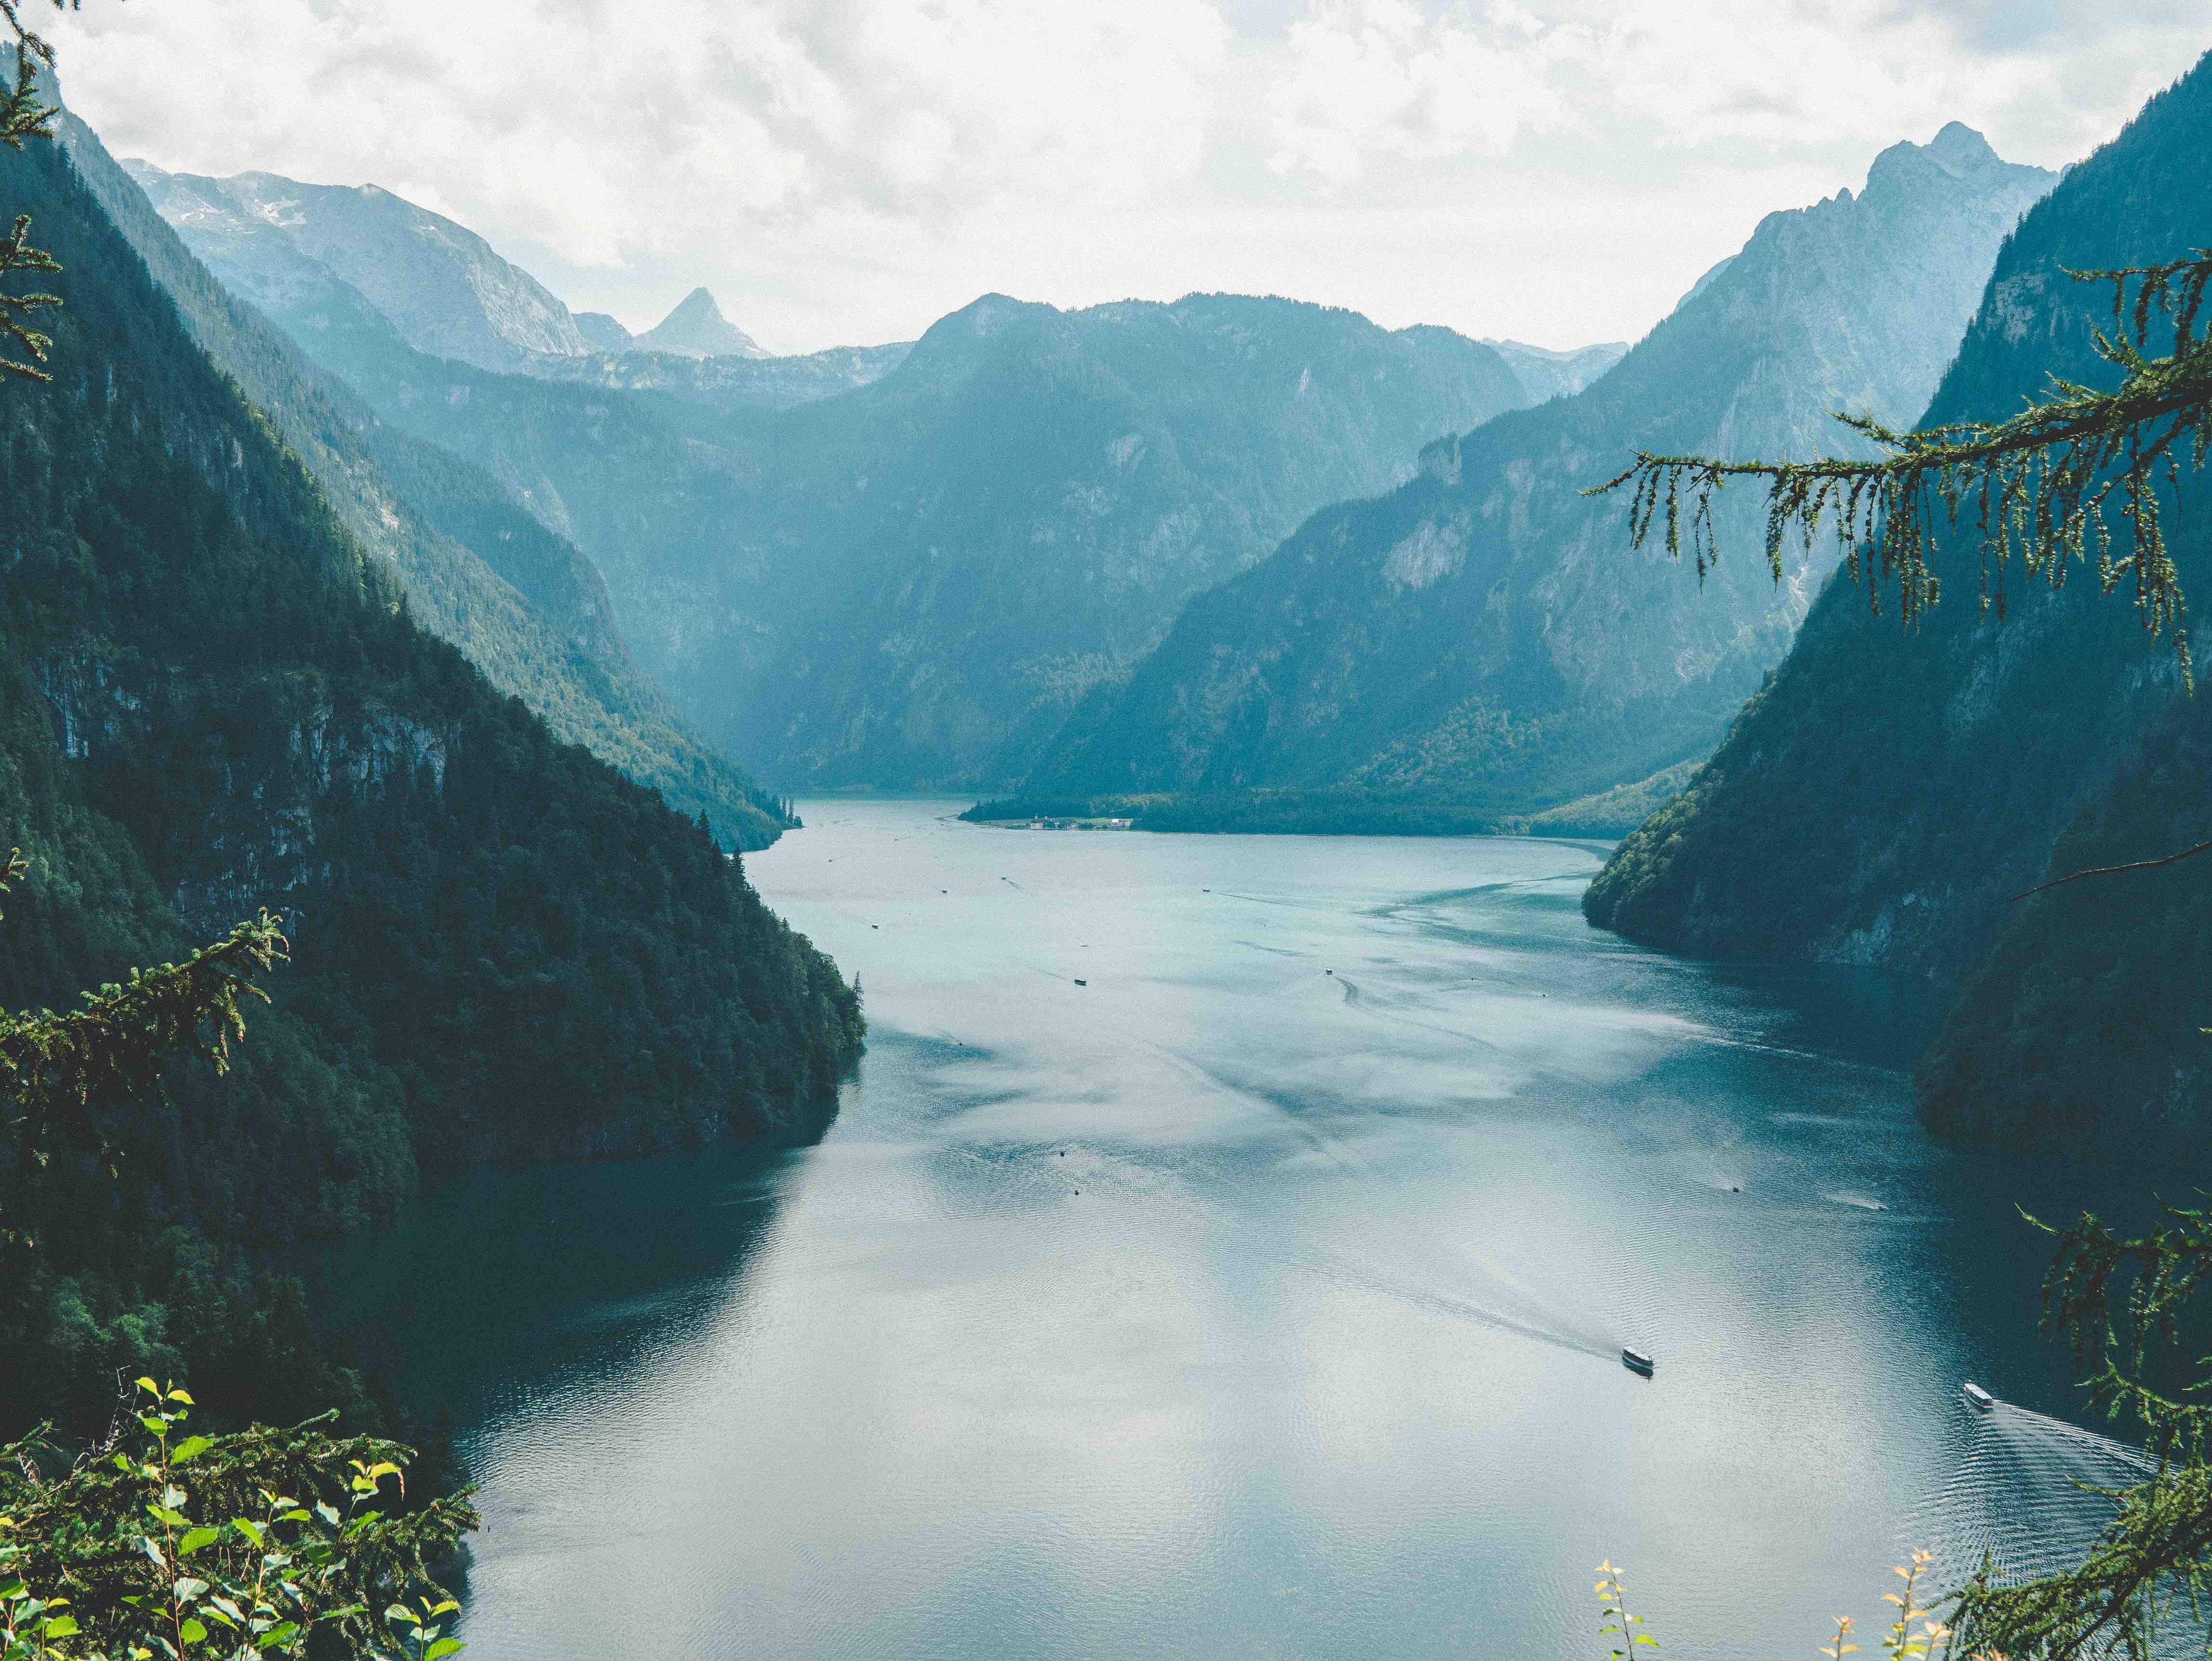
1227 1306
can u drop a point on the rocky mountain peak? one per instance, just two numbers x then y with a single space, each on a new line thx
696 328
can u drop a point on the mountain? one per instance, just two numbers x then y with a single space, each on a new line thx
1886 794
524 604
1545 373
730 384
602 333
213 698
910 583
696 328
280 243
1483 637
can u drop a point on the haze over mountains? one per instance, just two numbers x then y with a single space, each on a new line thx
291 247
215 697
1483 637
889 585
525 605
1886 797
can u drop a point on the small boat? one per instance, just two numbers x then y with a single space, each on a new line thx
1637 1361
1080 982
1980 1398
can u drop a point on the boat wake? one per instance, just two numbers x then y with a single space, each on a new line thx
2022 1496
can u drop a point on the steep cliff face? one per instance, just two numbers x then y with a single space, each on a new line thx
1484 635
1883 799
284 245
527 607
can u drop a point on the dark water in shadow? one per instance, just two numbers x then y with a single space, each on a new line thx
1261 1296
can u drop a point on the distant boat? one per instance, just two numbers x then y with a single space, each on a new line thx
1080 982
1981 1399
1637 1361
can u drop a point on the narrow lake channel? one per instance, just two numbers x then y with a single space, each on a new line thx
1225 1249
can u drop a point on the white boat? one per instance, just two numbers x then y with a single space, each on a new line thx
1637 1361
1981 1399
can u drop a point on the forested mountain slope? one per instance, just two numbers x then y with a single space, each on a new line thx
1886 794
212 699
912 583
1483 635
524 604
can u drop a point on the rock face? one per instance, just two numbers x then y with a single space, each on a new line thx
602 333
1484 635
696 328
1884 799
280 243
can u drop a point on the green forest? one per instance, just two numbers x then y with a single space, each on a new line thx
214 700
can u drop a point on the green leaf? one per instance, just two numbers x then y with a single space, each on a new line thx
197 1539
193 1632
61 1626
444 1646
283 1633
190 1448
187 1589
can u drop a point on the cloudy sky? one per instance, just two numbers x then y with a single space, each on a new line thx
845 171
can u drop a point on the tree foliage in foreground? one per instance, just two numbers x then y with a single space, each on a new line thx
25 114
2041 487
261 1542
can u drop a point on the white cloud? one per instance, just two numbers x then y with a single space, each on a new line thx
1374 80
844 170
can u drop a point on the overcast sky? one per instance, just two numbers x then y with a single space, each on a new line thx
841 172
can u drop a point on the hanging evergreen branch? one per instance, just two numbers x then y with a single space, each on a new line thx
24 113
2040 485
66 1075
2126 1303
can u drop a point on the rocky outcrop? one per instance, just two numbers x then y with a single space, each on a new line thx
286 245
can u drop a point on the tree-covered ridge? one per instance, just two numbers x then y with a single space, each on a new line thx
1478 638
214 701
916 580
522 603
1885 799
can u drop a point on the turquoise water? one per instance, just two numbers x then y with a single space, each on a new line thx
1263 1297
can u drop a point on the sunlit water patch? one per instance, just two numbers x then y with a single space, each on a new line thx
1226 1249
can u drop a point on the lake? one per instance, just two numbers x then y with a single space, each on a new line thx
1225 1249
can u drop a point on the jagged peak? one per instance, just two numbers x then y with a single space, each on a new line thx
696 328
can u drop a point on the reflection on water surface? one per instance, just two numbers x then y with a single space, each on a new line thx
1262 1296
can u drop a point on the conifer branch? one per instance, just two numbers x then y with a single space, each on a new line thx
64 1074
2040 485
25 114
2117 870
